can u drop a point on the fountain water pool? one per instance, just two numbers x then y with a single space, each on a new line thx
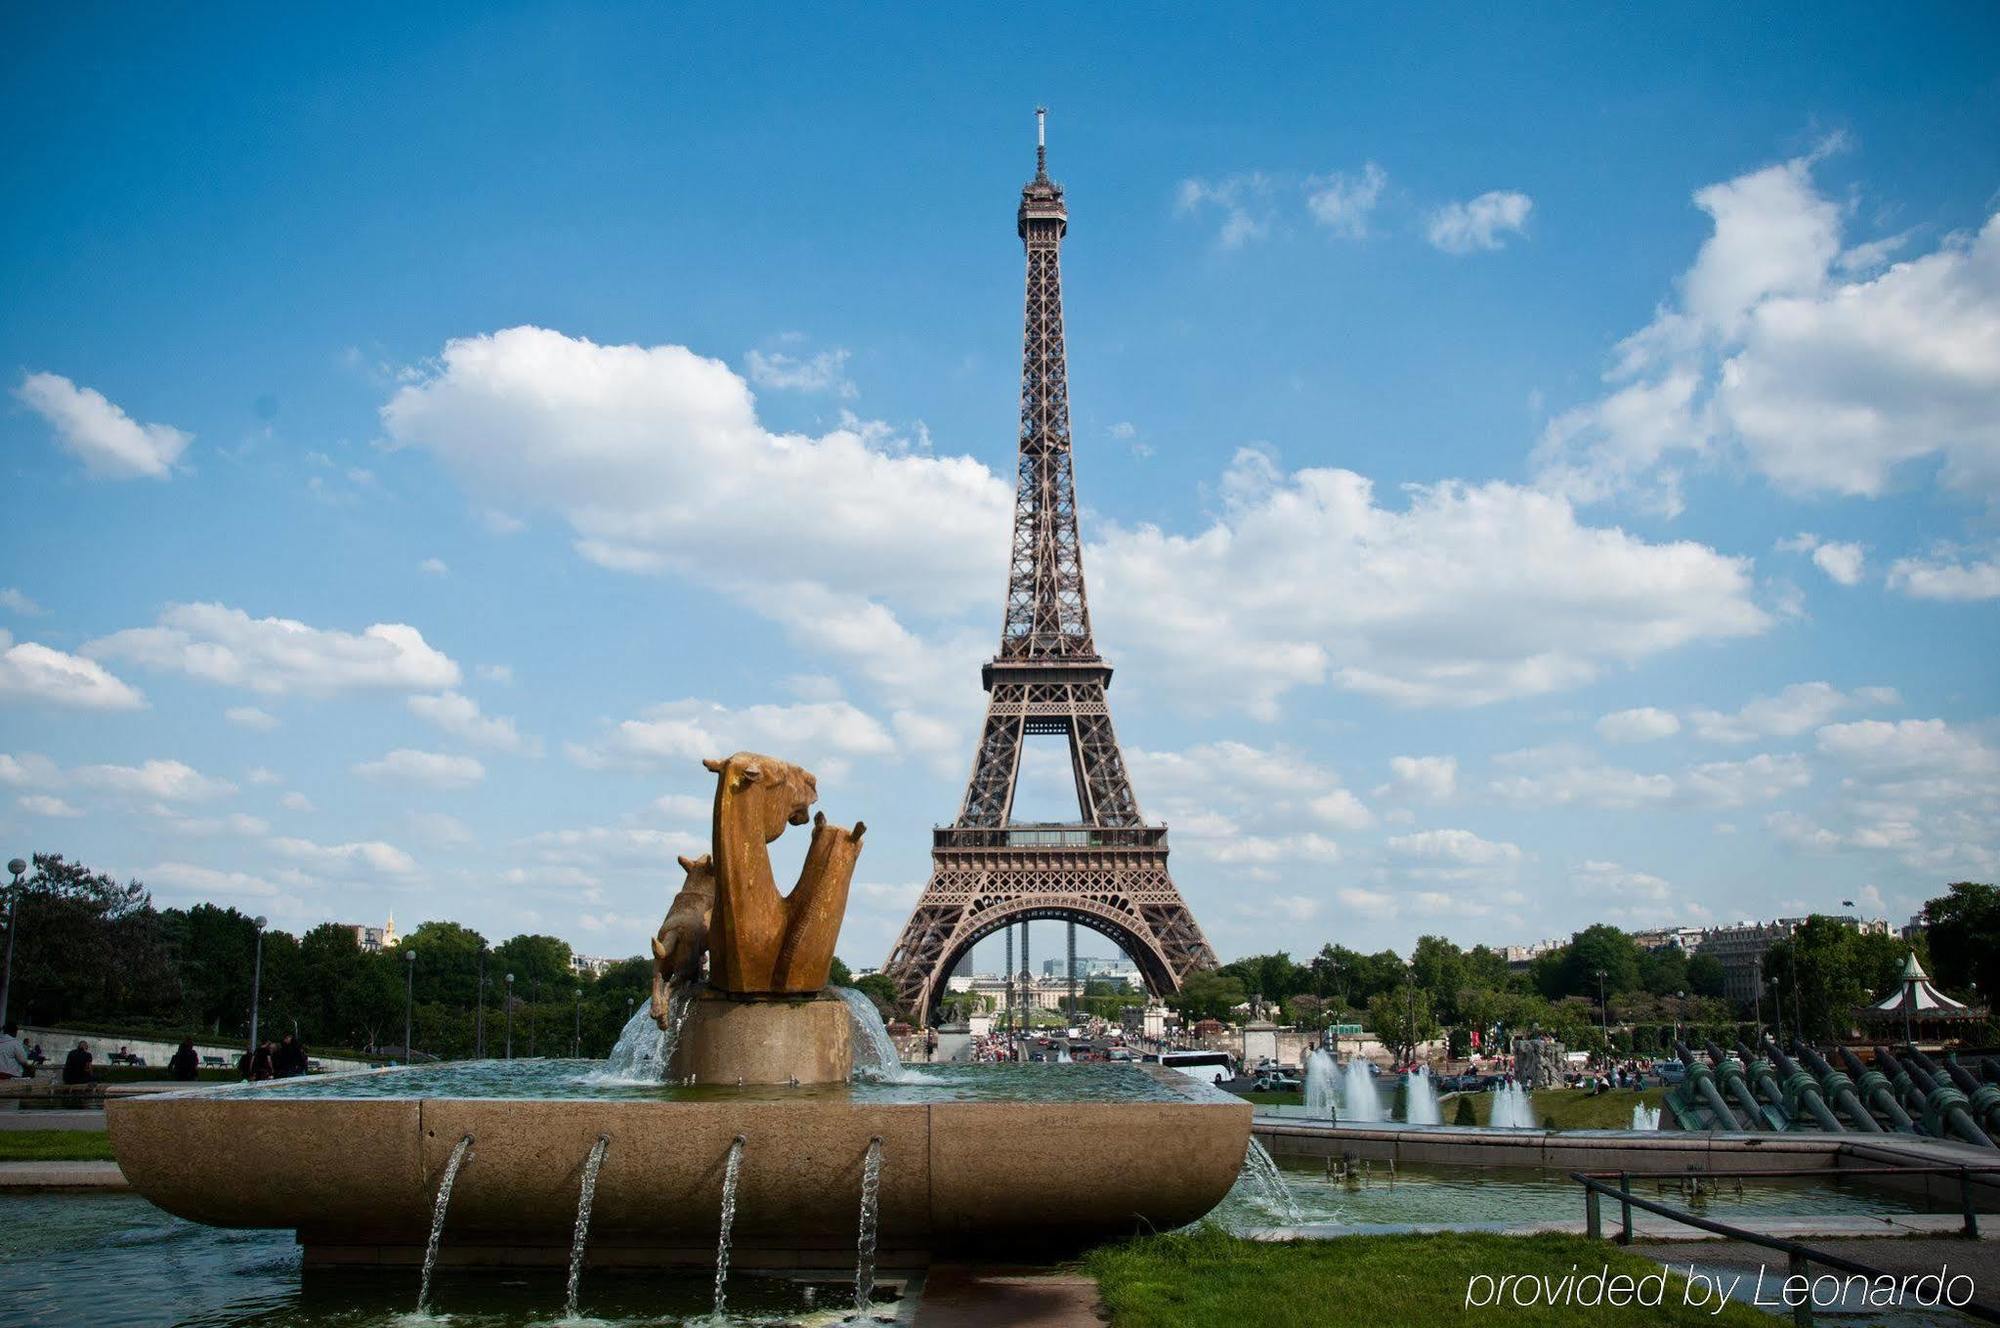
1645 1117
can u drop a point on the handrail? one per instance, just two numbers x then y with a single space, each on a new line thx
1799 1256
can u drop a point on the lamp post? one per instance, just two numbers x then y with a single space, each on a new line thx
1604 1016
1757 977
19 869
510 1016
256 982
576 1042
409 1001
479 1018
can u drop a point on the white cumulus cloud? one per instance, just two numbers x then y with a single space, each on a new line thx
279 655
1643 724
32 672
439 770
110 443
1479 223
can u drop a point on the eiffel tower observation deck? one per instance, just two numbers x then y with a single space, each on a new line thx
1106 871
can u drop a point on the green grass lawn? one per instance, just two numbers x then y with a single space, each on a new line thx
1570 1108
1275 1099
54 1146
1208 1277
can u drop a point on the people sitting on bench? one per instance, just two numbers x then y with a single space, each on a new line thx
15 1062
76 1067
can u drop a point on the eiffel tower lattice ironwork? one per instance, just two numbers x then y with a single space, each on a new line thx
1108 870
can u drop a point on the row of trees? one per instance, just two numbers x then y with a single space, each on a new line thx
1602 988
92 952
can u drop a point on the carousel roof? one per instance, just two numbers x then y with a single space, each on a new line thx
1916 994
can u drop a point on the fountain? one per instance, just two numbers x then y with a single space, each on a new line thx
1359 1102
1513 1108
1261 1173
743 1047
864 1243
731 1171
1420 1099
1645 1117
1322 1080
585 1193
437 1222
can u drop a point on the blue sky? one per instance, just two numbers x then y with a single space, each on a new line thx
1535 471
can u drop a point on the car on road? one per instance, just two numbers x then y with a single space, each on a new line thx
1670 1072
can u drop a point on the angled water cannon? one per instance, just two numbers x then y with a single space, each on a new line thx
1701 1082
1738 1087
1802 1091
1758 1071
1838 1088
1984 1098
1874 1086
1945 1108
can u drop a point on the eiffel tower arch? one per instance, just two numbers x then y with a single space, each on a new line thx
1108 870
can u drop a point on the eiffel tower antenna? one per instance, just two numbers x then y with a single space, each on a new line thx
1108 869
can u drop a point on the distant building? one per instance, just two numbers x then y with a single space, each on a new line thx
373 940
589 966
1741 947
1520 956
1663 938
1087 967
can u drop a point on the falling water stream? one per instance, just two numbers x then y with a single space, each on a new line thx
871 1196
437 1221
644 1049
729 1175
874 1050
1261 1170
1645 1117
582 1236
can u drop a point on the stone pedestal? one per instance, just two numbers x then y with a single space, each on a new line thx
766 1040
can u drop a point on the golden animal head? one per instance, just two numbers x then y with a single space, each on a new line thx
782 792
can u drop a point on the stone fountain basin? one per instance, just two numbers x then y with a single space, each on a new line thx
356 1176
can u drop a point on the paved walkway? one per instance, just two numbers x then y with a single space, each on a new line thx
51 1118
1977 1259
101 1177
960 1296
1660 1229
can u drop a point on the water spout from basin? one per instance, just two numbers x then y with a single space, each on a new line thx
874 1050
1261 1171
1420 1099
437 1220
871 1195
729 1175
582 1236
644 1049
1645 1117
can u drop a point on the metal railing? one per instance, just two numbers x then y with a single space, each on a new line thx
1799 1258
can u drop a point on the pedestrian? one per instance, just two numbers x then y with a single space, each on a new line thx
15 1063
184 1064
76 1066
260 1063
290 1059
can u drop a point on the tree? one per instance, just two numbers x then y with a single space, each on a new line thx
1963 929
881 989
1438 967
1594 949
1208 994
1663 971
1402 1019
840 975
1705 976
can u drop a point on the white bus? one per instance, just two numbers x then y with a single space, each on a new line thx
1210 1067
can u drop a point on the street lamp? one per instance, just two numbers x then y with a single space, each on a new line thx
256 982
576 1043
510 1016
1604 1015
1757 976
479 1018
409 1001
19 869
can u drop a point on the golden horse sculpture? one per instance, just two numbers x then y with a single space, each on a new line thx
758 942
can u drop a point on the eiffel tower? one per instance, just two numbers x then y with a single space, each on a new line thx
1107 871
